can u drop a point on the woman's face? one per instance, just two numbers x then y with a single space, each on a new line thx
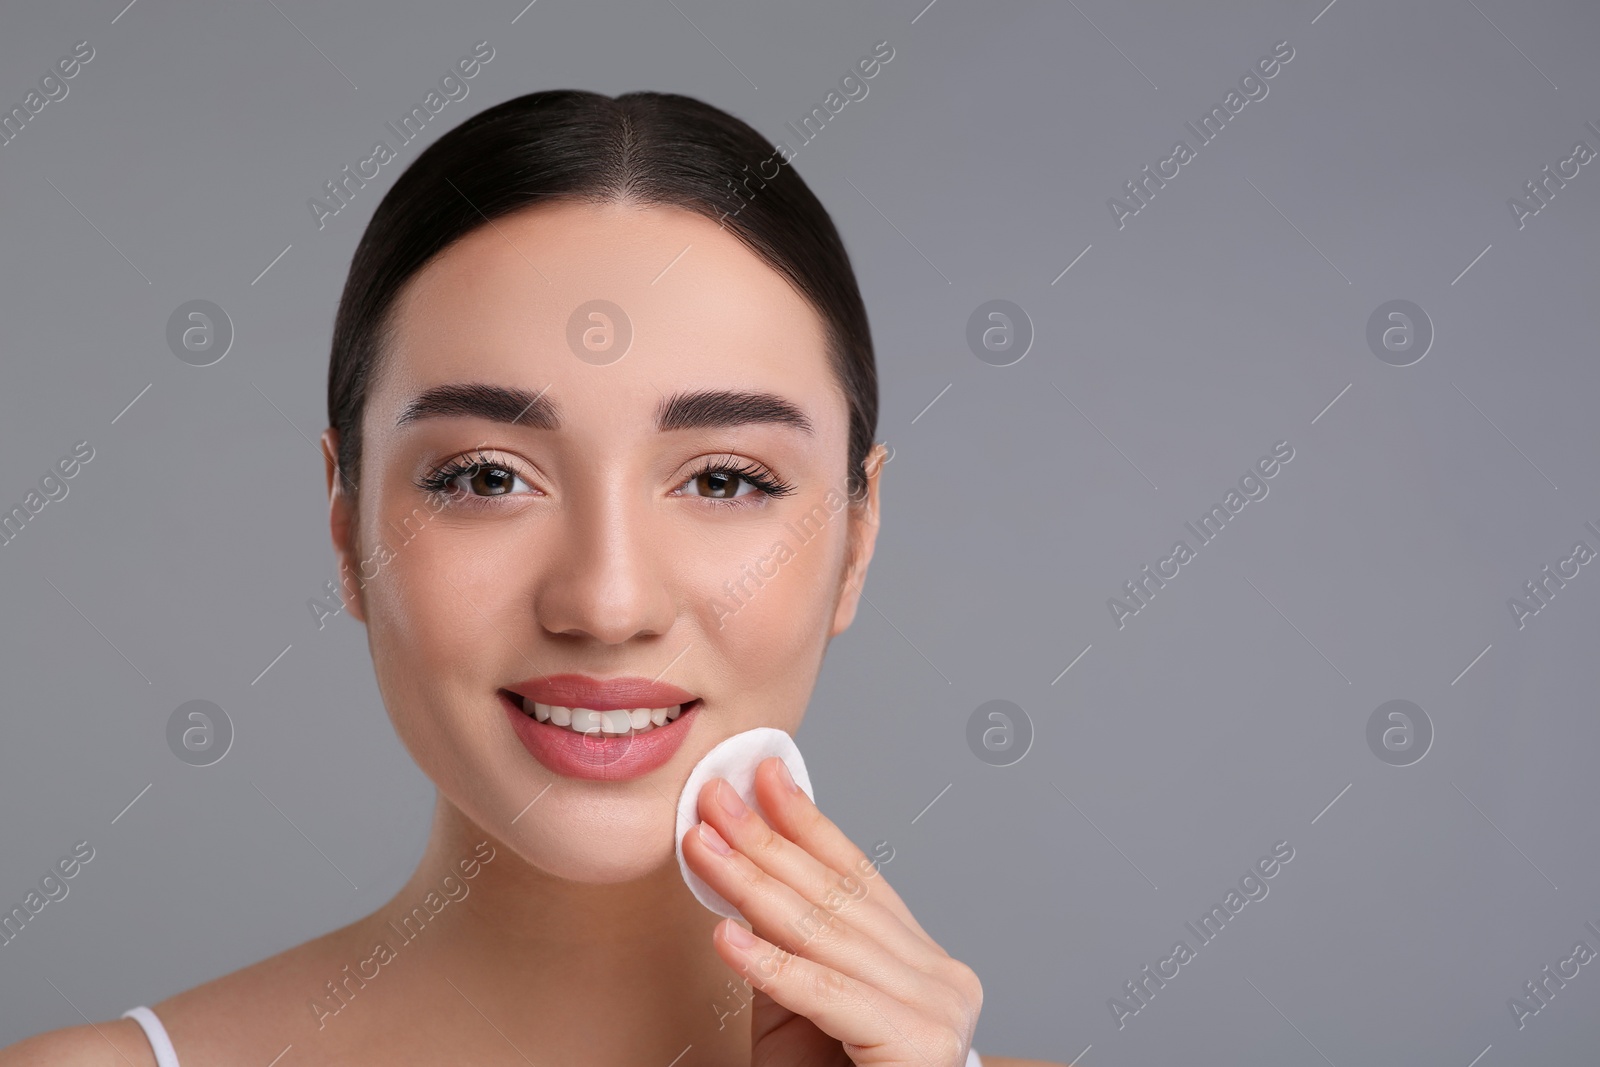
567 532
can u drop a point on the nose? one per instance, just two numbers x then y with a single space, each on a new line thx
606 575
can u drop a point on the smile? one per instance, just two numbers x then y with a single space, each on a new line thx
599 744
615 722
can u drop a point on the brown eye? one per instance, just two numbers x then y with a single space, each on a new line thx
468 481
491 481
720 480
720 483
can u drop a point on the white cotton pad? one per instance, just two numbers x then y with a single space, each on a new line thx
735 759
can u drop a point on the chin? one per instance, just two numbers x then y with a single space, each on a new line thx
598 842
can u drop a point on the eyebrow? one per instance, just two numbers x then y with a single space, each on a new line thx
697 409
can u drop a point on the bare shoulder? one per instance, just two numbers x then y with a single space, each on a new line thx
252 1014
108 1044
233 1018
1003 1061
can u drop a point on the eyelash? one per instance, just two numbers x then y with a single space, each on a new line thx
769 484
439 481
757 475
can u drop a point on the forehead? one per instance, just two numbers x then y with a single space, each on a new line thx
499 305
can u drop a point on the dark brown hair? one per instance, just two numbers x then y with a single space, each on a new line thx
569 144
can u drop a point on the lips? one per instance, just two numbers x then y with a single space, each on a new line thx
600 694
596 754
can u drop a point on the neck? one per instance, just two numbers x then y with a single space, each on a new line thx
619 973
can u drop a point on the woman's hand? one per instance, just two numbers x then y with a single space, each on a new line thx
841 971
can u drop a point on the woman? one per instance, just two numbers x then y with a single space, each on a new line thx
590 376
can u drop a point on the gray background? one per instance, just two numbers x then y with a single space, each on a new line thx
1224 317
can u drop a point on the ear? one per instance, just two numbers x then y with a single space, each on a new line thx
863 537
342 525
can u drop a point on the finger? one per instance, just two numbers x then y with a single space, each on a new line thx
854 895
796 817
787 919
874 1027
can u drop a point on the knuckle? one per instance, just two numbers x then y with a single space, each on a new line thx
807 925
835 901
810 821
824 930
827 984
770 966
861 867
975 984
965 984
953 1046
754 879
768 843
939 1044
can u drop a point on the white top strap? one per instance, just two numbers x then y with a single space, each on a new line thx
160 1043
167 1056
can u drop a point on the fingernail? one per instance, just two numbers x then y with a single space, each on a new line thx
728 797
739 936
786 777
709 835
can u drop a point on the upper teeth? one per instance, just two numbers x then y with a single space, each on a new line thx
587 720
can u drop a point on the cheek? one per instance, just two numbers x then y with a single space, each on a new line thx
771 595
416 612
432 647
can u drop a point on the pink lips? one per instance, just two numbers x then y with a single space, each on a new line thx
601 694
596 756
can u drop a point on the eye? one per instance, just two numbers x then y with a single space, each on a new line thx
476 477
488 480
725 481
723 484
